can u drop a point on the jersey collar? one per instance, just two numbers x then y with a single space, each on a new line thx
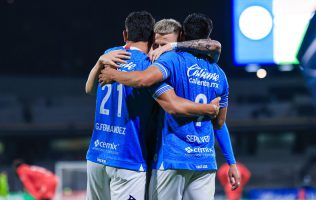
127 47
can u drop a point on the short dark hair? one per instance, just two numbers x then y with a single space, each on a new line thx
17 163
197 26
140 26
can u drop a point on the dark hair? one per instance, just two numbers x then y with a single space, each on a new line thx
197 26
140 26
17 163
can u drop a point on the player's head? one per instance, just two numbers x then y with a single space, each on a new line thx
17 163
197 26
139 27
166 30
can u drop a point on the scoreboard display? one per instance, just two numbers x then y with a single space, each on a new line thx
269 31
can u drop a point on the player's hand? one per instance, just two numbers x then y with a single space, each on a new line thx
105 77
215 105
155 54
234 177
114 58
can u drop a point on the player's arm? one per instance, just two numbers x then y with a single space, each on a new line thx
219 121
223 139
176 105
92 82
157 72
234 176
112 58
208 47
144 78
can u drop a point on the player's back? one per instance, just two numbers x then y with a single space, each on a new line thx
188 143
122 120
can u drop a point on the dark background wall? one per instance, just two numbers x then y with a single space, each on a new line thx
66 37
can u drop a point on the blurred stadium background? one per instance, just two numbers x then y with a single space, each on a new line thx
47 49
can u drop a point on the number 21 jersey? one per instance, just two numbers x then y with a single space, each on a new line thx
122 120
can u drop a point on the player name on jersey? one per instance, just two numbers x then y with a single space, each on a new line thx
109 128
197 139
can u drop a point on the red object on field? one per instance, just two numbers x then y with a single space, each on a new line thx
301 194
38 181
222 175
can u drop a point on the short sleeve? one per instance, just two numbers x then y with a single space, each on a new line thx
112 49
166 63
158 89
107 51
225 92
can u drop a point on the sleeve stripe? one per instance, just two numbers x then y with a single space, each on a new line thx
162 69
162 90
223 104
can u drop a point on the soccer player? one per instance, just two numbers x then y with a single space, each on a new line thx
167 32
38 181
116 159
185 161
4 188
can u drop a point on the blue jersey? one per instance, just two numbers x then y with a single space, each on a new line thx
188 143
122 120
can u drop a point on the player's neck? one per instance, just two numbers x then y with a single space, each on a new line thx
142 46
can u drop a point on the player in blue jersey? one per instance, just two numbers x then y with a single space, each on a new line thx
167 33
185 160
116 157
